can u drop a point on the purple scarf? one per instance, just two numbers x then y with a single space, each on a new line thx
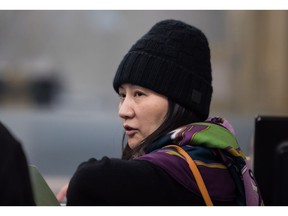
214 148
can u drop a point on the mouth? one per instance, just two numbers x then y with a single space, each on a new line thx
129 131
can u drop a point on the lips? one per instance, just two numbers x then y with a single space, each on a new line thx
129 131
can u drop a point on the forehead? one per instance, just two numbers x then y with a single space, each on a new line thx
131 86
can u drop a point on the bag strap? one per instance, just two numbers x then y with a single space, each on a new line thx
196 173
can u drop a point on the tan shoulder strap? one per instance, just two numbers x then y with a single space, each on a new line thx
196 173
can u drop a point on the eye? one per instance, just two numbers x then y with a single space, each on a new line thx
138 94
122 95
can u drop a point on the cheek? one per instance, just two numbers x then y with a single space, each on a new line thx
161 110
155 116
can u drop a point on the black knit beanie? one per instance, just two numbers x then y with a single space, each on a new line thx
172 59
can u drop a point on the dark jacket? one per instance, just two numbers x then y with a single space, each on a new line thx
116 182
15 183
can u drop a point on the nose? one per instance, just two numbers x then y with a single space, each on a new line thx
126 109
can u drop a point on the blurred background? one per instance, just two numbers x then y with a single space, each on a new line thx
57 67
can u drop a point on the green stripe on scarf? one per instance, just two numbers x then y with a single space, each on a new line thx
216 136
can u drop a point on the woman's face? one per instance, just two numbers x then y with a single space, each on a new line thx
142 111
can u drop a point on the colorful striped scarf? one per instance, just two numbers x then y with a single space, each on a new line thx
213 146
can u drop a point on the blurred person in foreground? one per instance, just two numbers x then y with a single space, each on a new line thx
173 152
16 188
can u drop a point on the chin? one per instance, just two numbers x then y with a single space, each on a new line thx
133 143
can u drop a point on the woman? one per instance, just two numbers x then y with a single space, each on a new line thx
165 85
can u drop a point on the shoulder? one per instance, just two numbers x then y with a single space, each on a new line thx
110 166
106 181
108 169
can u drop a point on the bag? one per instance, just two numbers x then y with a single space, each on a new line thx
197 175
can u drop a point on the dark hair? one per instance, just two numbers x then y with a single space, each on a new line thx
176 116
